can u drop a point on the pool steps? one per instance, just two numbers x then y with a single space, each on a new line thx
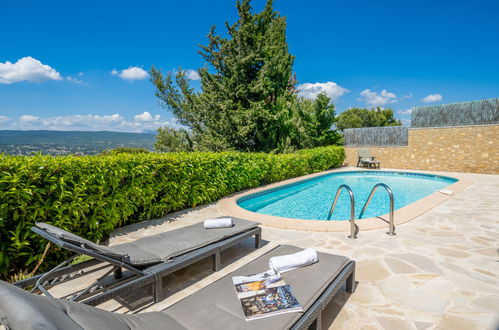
354 229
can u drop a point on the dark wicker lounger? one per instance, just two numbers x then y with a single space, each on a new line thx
145 261
213 307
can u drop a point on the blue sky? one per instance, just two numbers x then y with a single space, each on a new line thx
82 64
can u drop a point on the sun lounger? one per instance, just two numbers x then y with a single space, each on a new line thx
139 263
213 307
365 158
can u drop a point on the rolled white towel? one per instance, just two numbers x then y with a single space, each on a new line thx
282 264
445 192
218 223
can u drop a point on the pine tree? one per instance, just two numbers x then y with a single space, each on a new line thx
323 120
248 100
246 97
314 121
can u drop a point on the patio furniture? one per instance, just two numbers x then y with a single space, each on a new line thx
215 306
365 158
136 264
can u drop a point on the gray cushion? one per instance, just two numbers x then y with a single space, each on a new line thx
159 247
80 241
163 246
20 309
217 307
364 153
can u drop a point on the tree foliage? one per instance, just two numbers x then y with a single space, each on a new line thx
358 117
173 140
247 100
312 123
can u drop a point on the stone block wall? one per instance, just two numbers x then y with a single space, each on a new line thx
473 149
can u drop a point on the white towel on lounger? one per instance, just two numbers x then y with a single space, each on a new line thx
282 264
218 223
446 192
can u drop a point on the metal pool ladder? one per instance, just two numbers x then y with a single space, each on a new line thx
354 229
391 228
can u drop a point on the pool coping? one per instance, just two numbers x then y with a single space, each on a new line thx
229 206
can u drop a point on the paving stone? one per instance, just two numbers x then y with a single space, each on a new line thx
489 304
423 325
399 267
422 301
439 286
371 270
492 252
455 322
391 323
486 273
453 253
423 263
487 321
443 233
395 285
368 295
422 277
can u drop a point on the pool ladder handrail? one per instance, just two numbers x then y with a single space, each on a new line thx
353 227
391 226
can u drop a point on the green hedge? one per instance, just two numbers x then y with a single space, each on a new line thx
93 195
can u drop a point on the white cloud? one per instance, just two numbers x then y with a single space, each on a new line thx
146 117
432 98
132 73
406 122
388 94
312 90
192 74
27 69
376 100
4 119
405 112
114 122
28 119
75 80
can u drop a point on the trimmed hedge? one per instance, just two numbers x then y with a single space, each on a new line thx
92 195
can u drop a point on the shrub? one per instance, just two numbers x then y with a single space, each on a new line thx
124 150
92 195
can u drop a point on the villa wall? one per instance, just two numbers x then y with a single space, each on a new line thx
473 149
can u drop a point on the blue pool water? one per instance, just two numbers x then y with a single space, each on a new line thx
311 199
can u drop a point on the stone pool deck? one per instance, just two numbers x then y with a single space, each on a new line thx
441 270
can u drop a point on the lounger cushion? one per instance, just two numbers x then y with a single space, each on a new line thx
20 309
80 241
167 245
217 307
156 248
365 153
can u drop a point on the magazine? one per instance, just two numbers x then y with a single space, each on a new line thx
265 294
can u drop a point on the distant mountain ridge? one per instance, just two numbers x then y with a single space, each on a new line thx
16 142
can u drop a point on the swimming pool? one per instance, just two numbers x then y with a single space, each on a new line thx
311 199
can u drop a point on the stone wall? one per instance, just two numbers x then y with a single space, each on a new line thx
473 149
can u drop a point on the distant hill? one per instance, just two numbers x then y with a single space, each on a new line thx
70 142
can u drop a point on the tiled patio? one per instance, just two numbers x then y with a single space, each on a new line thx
441 270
